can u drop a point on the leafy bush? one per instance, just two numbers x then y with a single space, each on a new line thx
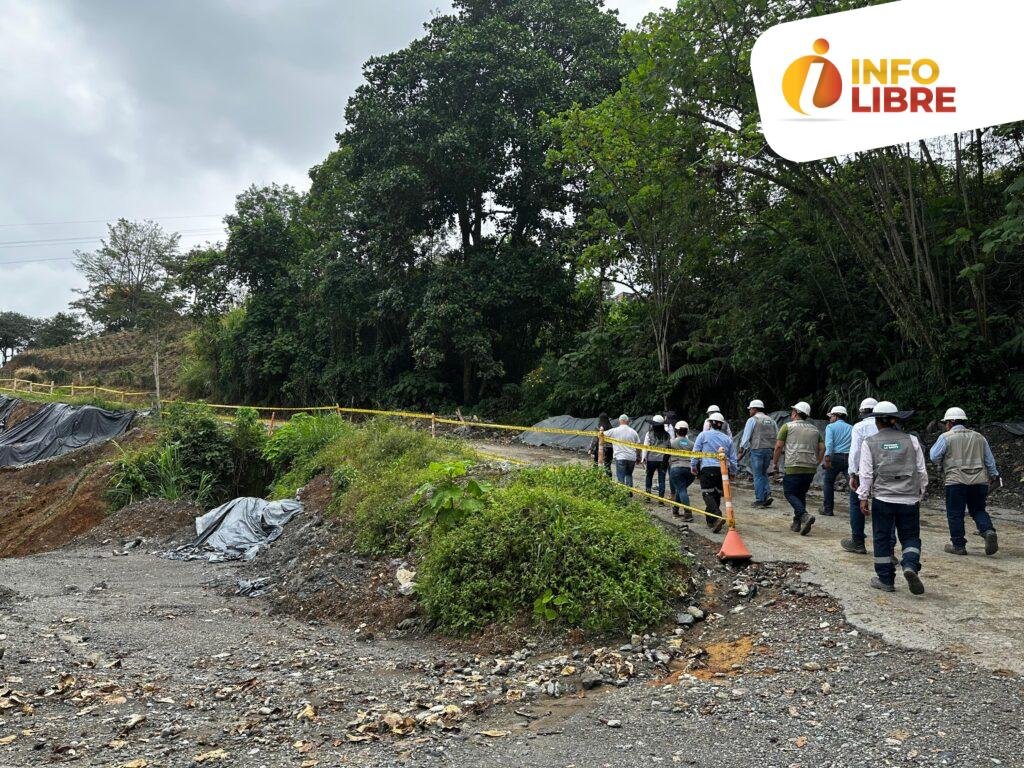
447 503
294 451
204 445
571 558
157 472
29 373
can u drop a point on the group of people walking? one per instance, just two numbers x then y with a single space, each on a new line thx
884 467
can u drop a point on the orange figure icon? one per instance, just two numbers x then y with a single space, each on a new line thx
830 82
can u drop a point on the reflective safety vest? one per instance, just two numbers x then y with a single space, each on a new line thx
765 432
895 463
802 439
964 461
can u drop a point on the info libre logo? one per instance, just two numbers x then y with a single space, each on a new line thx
813 83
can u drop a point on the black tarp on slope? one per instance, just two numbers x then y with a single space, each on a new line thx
575 442
57 429
7 406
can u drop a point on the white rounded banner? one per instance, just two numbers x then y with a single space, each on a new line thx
888 74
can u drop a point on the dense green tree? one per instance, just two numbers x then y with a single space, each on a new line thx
16 331
63 328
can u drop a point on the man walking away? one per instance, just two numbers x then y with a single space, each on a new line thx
804 448
838 435
710 470
679 473
862 430
758 439
624 456
656 462
893 480
707 421
967 461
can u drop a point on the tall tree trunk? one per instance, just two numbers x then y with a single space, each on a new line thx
467 379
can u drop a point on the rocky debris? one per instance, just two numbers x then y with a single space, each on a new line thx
406 579
254 587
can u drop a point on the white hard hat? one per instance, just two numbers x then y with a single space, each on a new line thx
623 417
756 404
713 409
838 410
885 408
868 404
955 414
682 425
803 408
716 416
659 419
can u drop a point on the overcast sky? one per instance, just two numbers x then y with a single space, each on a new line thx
167 110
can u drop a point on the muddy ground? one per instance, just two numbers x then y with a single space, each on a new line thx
112 655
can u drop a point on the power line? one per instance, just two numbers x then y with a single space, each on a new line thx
114 218
43 242
36 261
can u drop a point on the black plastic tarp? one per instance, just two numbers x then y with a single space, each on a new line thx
7 406
57 429
576 442
1013 427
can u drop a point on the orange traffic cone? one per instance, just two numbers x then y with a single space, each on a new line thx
733 547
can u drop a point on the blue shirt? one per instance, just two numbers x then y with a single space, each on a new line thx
748 432
838 437
709 441
939 450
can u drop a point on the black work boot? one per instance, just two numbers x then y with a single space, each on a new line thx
913 581
805 524
768 502
991 542
795 526
852 546
877 583
954 550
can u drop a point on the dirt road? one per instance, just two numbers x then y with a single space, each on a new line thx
971 607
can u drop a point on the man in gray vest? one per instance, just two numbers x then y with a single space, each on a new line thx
966 458
804 448
893 479
758 439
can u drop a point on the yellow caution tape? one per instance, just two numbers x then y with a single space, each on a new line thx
658 449
674 503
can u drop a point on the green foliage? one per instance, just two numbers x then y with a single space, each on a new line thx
63 328
448 503
16 331
295 450
579 561
158 472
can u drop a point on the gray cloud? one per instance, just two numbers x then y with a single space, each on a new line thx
160 109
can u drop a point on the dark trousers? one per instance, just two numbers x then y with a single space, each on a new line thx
607 459
682 478
856 519
624 471
840 466
711 490
795 488
969 498
659 468
889 521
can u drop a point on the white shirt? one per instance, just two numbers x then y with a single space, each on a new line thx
867 476
629 435
862 430
725 427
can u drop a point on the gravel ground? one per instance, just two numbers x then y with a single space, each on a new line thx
132 660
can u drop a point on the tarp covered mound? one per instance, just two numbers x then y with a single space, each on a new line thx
56 429
576 442
1013 427
238 530
7 406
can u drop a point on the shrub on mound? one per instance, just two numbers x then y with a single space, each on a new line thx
557 552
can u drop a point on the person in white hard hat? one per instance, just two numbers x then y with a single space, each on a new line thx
758 439
707 422
968 465
893 479
625 457
656 462
837 456
862 429
679 473
709 470
804 447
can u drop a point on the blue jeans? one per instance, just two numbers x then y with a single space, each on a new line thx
624 471
682 479
760 459
972 499
856 519
659 468
887 522
795 488
840 463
